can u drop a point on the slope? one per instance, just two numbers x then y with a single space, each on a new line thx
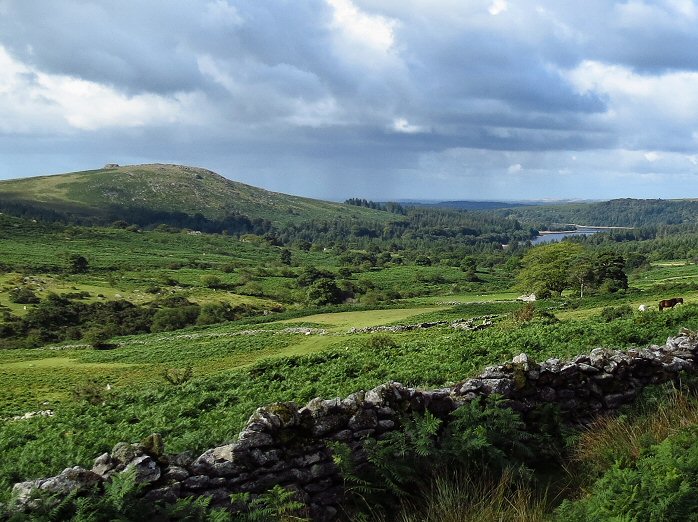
170 189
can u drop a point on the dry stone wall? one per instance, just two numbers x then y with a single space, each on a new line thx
289 446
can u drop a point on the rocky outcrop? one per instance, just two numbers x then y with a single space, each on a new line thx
290 446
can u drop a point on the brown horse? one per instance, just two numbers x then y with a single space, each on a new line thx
670 303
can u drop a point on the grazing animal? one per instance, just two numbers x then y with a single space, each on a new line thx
670 303
643 307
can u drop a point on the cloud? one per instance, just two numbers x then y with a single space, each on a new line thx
32 100
403 126
497 7
426 94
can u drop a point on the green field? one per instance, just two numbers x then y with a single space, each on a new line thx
257 320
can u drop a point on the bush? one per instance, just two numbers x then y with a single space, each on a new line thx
211 281
98 338
661 485
324 291
167 319
23 295
611 313
77 264
381 342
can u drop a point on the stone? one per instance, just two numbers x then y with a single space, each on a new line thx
147 469
168 493
385 411
153 445
124 452
264 457
587 368
103 464
282 445
218 496
597 357
503 387
251 439
363 419
386 425
547 394
197 482
471 385
615 400
183 460
522 360
323 469
308 460
175 473
69 480
342 435
565 394
328 424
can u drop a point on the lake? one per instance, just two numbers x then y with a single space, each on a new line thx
557 236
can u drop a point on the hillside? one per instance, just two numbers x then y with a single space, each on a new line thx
617 212
116 192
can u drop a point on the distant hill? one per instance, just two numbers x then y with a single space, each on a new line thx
616 212
470 205
157 192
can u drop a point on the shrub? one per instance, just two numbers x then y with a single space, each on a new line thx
211 281
167 319
381 342
611 313
77 264
178 376
23 295
661 485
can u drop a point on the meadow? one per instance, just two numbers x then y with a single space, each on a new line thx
282 342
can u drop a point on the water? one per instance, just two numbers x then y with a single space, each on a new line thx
558 236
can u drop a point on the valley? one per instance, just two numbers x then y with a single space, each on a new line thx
127 328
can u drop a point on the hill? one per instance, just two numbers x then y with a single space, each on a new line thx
148 190
472 205
617 212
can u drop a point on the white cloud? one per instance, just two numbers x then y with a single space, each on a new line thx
31 99
403 126
515 168
652 156
498 7
361 28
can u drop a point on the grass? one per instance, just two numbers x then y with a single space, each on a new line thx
342 321
624 438
462 498
175 189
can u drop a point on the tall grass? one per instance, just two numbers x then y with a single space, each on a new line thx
623 438
462 498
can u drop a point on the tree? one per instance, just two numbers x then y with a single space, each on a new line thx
324 291
581 272
23 295
286 256
609 271
546 268
77 264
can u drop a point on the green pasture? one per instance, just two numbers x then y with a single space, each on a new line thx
342 321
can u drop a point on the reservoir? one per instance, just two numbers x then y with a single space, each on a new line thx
558 236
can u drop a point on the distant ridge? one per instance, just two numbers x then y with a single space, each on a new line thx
146 190
471 205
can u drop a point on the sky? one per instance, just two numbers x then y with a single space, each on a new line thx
383 99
